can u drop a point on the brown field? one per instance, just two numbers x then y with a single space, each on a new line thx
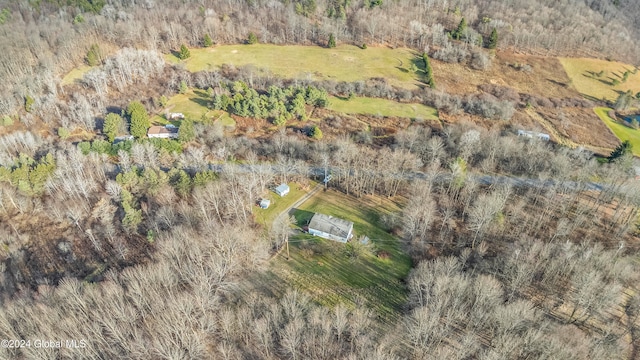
547 77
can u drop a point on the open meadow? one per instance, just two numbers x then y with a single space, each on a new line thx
382 107
623 132
601 79
343 63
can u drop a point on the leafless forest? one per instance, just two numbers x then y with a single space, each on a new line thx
143 250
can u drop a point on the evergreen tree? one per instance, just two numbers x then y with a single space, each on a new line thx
28 103
493 39
183 87
623 149
428 71
138 119
112 124
252 39
207 41
93 57
462 26
332 41
184 52
186 132
316 133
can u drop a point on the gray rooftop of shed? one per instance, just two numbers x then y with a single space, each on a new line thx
331 225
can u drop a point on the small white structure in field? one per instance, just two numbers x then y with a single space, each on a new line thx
332 228
531 134
282 190
264 203
163 132
175 116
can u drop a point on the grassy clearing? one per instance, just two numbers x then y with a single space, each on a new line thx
383 107
623 132
279 204
582 73
75 74
193 104
343 63
325 269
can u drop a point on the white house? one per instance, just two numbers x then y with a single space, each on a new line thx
282 190
531 134
332 228
163 132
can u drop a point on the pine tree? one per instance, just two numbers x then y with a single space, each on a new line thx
28 103
493 39
112 124
428 71
207 41
94 56
139 119
184 52
332 41
623 149
462 26
186 132
252 38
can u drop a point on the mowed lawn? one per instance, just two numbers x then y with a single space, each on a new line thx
328 272
343 63
383 107
623 132
279 204
582 72
193 104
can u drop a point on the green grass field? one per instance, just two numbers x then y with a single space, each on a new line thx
623 132
383 107
75 74
193 104
279 204
325 270
582 72
343 63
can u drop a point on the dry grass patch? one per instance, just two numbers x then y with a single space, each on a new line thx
584 76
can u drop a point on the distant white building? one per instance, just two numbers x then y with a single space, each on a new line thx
532 134
264 203
163 132
175 116
282 190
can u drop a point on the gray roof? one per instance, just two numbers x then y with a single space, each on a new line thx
282 188
331 225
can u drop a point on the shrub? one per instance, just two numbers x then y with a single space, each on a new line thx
316 133
207 41
28 103
332 41
364 46
63 133
8 121
480 60
184 52
252 38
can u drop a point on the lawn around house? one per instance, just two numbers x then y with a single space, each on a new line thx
623 132
193 104
383 107
324 270
343 63
582 73
279 204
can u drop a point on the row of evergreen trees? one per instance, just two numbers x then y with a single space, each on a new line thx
277 104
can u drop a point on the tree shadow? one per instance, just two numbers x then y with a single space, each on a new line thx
303 217
202 102
556 82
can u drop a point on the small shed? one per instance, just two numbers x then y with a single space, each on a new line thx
175 116
332 228
282 190
264 203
